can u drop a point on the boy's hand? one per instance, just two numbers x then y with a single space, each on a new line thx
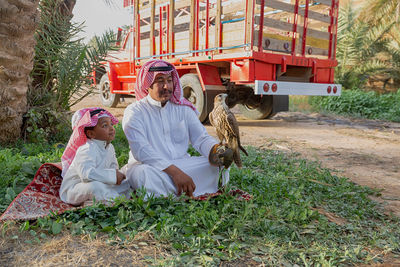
120 177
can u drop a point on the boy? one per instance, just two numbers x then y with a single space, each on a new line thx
90 168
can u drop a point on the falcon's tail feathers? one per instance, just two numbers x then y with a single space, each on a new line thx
236 158
244 150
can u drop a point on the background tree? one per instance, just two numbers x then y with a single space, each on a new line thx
37 88
376 12
368 45
386 12
360 49
61 72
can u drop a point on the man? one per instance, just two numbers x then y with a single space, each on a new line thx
159 126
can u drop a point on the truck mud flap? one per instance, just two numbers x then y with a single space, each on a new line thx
280 103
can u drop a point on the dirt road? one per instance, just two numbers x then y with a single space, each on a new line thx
366 151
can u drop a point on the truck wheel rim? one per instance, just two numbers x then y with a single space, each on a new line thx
250 108
190 95
105 90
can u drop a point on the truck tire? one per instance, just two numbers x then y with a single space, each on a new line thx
258 112
193 92
107 98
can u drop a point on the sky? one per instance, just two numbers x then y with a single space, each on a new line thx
99 17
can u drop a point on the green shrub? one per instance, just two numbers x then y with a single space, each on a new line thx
44 123
363 104
121 146
300 103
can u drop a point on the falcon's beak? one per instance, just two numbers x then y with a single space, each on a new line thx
224 97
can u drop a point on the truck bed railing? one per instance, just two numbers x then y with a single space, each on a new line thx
190 28
168 55
307 29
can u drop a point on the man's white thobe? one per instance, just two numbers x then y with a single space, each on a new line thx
92 174
158 138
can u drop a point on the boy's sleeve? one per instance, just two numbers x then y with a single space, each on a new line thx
86 167
114 161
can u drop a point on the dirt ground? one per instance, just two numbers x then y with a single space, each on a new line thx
366 151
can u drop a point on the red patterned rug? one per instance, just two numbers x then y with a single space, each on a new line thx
237 193
41 196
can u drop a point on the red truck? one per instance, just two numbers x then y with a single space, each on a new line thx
257 51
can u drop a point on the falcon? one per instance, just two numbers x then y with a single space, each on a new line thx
226 127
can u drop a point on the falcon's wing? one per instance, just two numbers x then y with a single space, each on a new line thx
231 124
211 118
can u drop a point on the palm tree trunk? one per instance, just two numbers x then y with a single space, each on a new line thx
18 20
67 6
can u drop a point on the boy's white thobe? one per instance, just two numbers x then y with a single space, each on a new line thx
92 174
158 138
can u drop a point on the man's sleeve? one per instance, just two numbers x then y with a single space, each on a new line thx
87 170
135 132
200 139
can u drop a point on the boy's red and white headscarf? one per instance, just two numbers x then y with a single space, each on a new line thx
145 79
86 117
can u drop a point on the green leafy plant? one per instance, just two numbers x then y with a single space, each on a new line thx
358 103
121 146
45 123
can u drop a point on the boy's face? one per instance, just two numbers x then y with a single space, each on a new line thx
103 131
162 87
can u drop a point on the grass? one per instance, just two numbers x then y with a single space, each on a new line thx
281 225
361 104
299 103
352 103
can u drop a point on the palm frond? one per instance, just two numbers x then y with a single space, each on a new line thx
365 50
63 63
111 2
382 10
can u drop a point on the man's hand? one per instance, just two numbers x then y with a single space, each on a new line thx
221 155
182 181
120 177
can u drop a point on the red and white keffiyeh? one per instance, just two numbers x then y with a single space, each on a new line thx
81 119
145 79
